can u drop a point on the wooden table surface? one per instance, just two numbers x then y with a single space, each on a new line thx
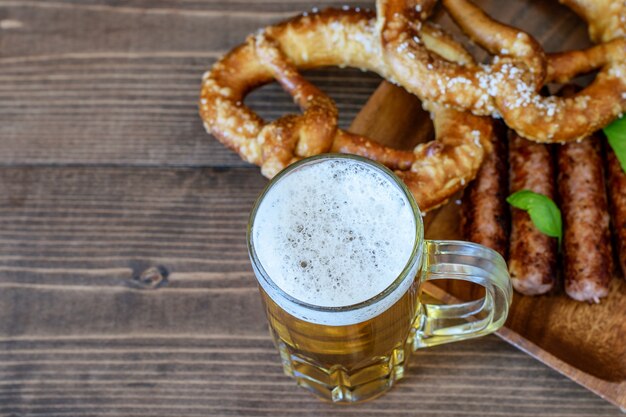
108 179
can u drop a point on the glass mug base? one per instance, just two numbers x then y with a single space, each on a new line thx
340 385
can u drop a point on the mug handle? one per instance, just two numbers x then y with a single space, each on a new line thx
436 324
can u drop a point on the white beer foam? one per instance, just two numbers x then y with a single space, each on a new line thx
334 233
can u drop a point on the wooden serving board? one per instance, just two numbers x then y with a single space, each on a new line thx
585 342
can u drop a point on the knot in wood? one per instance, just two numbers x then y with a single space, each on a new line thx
152 278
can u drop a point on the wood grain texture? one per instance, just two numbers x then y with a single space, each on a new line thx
83 339
100 83
106 172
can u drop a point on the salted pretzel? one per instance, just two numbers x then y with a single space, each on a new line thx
606 18
348 37
509 87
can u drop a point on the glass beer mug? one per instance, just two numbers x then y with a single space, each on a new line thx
337 246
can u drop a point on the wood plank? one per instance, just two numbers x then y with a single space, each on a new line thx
183 219
141 112
197 7
222 376
82 339
113 85
100 83
392 102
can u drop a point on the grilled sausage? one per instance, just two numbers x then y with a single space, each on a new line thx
587 256
484 213
532 255
617 197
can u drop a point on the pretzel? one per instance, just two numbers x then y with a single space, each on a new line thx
508 88
606 18
349 37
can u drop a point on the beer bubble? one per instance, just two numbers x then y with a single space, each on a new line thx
338 244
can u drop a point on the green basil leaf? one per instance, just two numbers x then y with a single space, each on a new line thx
543 212
616 134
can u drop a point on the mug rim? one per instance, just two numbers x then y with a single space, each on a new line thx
415 256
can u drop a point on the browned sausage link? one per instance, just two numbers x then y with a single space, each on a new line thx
532 255
617 194
484 213
587 257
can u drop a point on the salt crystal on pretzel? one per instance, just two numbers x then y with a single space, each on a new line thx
433 171
606 18
508 87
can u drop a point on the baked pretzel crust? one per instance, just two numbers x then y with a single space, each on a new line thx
433 171
398 44
509 86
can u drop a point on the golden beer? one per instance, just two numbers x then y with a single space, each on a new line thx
336 245
345 363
